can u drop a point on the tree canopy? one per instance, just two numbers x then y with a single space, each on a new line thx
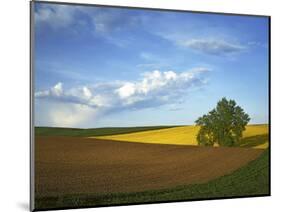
223 125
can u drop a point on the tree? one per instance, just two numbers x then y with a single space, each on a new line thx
223 125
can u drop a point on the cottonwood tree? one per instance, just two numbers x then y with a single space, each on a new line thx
223 125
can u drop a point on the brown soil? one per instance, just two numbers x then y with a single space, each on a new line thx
73 165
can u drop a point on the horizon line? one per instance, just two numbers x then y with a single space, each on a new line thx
134 126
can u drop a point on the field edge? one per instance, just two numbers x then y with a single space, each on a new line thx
104 131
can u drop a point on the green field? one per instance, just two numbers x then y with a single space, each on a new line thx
250 180
78 132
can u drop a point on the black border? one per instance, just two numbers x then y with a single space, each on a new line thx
146 8
269 101
31 106
31 102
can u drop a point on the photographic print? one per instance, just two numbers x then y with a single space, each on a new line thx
137 106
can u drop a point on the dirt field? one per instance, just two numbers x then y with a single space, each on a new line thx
68 165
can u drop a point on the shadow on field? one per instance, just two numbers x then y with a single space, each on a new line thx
254 140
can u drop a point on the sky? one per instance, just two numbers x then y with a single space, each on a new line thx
117 67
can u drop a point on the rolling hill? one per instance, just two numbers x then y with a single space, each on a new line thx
255 136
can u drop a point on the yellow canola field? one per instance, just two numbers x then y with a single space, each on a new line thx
183 135
256 130
253 130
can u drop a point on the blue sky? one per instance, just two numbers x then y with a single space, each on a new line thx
100 66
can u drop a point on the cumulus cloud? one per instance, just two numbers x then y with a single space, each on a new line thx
153 89
79 95
160 87
215 47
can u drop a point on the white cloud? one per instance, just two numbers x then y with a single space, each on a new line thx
153 89
64 114
98 21
55 91
107 20
56 16
78 95
87 93
127 90
101 20
212 46
257 44
154 82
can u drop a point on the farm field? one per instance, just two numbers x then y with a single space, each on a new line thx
254 136
133 106
78 132
72 170
252 179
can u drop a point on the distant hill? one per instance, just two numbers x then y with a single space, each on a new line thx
254 136
57 131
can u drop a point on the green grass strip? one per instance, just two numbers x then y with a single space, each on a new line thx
76 132
250 180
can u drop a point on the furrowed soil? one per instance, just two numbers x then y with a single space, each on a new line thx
76 165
